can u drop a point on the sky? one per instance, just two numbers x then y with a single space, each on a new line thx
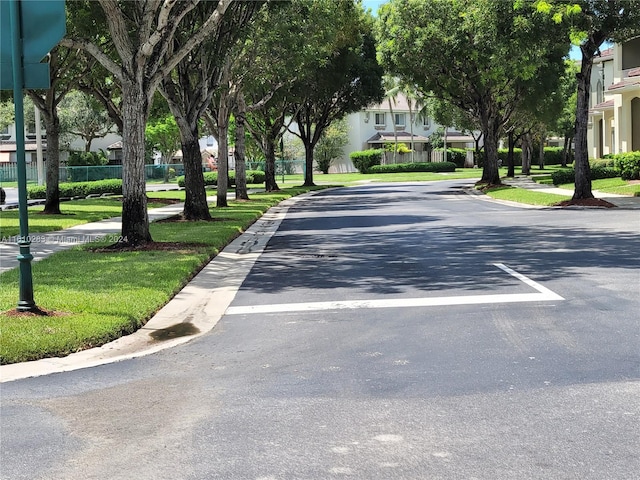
373 4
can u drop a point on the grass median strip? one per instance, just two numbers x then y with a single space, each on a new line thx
99 295
74 213
522 195
611 185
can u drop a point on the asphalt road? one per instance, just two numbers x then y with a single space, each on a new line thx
387 332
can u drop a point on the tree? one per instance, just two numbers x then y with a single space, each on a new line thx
593 22
65 67
164 135
289 68
263 73
479 55
83 116
331 144
414 100
445 113
391 91
139 52
7 114
189 92
350 80
565 123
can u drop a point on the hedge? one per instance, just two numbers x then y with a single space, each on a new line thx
560 177
602 162
628 164
414 167
211 178
78 189
552 156
366 159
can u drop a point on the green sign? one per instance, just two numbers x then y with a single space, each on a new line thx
42 25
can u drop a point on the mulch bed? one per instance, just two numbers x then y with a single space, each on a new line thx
586 202
37 312
179 218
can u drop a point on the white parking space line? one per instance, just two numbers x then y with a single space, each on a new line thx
543 295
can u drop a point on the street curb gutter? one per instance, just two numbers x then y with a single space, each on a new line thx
198 306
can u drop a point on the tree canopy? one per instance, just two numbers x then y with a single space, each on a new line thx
479 55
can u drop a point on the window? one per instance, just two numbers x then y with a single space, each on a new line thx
426 123
380 120
631 54
599 93
399 120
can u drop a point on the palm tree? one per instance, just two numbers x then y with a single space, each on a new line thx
392 88
414 98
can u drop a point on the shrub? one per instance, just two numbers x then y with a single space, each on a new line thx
553 155
79 189
211 178
602 162
560 177
504 152
366 159
628 164
87 166
604 172
92 159
255 176
414 167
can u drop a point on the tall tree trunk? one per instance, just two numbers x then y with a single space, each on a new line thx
581 162
411 146
223 153
395 133
565 152
308 162
195 204
135 218
511 170
270 165
490 172
541 153
241 166
52 125
526 154
309 139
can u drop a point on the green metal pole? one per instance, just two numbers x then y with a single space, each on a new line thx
25 301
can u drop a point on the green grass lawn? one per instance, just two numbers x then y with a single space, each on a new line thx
611 185
76 212
102 296
522 195
355 178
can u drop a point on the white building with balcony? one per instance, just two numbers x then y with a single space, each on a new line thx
614 116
